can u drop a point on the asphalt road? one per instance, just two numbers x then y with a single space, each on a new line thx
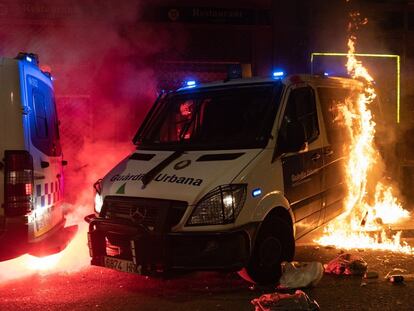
95 288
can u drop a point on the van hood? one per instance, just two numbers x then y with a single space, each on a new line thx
187 177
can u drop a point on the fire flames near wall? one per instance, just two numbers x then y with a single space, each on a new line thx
370 204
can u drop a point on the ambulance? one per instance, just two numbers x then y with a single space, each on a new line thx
226 176
31 177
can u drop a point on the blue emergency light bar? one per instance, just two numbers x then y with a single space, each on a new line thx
278 74
28 57
190 83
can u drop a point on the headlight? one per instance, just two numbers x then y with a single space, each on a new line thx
98 202
98 196
220 206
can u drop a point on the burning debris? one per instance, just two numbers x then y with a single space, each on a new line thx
277 301
73 258
370 202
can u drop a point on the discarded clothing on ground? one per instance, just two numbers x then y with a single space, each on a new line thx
277 302
347 264
300 274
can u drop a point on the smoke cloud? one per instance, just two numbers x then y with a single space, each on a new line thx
102 59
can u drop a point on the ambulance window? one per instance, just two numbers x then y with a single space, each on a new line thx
301 106
40 113
330 99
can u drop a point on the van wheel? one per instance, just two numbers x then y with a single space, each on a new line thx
274 244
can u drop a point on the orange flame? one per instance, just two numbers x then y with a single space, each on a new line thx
366 210
73 258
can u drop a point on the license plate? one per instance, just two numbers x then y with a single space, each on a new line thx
42 222
121 265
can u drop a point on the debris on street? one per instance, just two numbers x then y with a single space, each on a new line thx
398 276
346 264
371 275
277 302
396 279
300 274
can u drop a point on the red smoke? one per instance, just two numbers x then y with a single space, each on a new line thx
101 59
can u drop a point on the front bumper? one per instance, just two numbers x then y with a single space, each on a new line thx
160 252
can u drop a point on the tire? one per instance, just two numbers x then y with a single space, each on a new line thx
274 244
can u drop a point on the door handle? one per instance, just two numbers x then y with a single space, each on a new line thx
44 164
316 157
328 152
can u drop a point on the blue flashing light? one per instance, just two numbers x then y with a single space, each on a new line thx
29 59
191 83
326 74
256 192
278 74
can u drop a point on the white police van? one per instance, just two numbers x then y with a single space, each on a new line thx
225 177
31 161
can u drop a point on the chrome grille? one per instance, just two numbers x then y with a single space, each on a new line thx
152 213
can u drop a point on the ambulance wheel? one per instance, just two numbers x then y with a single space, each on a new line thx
275 243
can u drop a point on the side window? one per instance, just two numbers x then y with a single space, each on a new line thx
42 130
331 99
301 106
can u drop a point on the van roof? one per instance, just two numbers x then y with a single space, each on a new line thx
27 67
317 80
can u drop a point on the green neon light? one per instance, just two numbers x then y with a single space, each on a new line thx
397 58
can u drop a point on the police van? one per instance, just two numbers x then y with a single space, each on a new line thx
225 176
31 179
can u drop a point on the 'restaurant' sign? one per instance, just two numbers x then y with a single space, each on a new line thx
53 10
12 9
203 15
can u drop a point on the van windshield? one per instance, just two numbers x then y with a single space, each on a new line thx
222 118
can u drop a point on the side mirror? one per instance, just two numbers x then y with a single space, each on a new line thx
293 139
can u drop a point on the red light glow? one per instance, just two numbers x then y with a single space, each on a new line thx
102 93
73 258
29 189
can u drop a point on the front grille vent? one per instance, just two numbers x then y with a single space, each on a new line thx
154 214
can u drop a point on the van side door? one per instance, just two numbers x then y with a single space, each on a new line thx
334 185
302 170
